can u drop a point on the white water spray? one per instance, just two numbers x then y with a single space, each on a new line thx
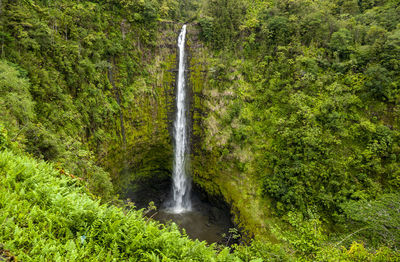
181 183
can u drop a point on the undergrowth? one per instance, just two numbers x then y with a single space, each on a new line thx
46 216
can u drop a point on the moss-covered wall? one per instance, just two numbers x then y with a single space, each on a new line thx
148 119
210 169
148 153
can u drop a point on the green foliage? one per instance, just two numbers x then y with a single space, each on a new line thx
3 138
262 251
206 25
307 235
357 252
309 96
226 15
303 96
379 219
341 42
72 80
16 104
47 216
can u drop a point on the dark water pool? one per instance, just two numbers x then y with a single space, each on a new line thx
204 222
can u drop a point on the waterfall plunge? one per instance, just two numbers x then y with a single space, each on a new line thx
181 183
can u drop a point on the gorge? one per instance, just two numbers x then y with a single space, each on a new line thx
279 118
192 211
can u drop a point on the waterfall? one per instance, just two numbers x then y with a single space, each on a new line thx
181 182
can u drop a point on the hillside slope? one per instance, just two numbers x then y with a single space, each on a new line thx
301 99
46 216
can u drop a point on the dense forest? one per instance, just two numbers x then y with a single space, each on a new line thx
295 124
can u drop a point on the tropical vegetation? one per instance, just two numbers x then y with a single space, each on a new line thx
295 108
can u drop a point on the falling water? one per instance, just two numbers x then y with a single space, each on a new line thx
181 183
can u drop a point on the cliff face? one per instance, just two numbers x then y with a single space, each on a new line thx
215 159
149 117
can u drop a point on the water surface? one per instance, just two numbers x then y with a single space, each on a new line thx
203 222
206 221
